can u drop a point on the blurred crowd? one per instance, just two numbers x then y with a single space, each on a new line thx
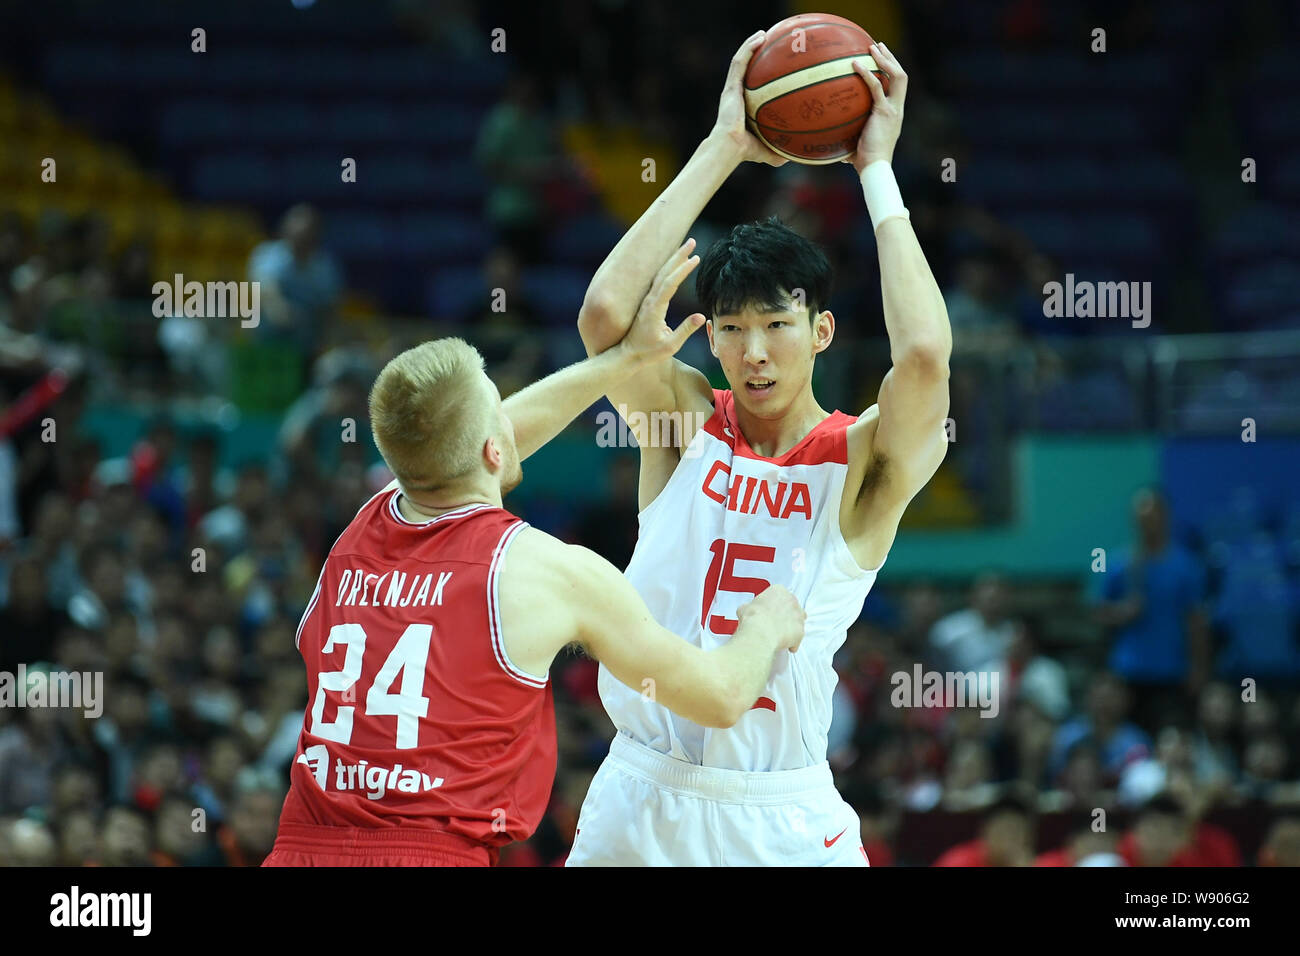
182 582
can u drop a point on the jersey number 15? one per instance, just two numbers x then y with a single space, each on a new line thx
722 577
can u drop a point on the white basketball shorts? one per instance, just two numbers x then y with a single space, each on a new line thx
648 809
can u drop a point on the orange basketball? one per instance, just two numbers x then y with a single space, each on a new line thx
801 94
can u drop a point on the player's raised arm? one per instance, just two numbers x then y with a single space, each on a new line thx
909 440
542 410
621 281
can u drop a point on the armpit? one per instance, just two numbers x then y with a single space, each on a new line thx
878 470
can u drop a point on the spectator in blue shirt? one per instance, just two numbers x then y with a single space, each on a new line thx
300 282
1151 599
1105 728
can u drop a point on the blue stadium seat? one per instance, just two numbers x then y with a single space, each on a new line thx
360 234
330 70
1264 293
1271 122
198 122
442 126
279 121
1217 404
1115 128
1064 181
164 66
315 177
1258 231
1275 71
236 176
457 184
404 177
586 240
399 71
82 65
1051 74
1125 238
453 291
440 239
473 82
558 291
1284 183
347 20
1102 399
363 122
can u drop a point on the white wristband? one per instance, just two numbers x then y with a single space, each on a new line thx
884 201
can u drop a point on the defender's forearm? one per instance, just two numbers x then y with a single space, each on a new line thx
744 663
545 408
623 278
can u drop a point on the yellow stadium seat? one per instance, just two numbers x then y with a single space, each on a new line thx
201 242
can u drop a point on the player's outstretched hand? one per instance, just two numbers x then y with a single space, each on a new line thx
779 609
731 109
886 119
650 339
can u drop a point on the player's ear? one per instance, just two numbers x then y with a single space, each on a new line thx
823 331
492 452
708 327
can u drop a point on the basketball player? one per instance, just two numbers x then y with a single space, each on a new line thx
430 737
770 489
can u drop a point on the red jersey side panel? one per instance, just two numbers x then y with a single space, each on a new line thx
416 716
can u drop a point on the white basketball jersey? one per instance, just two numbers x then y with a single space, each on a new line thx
729 523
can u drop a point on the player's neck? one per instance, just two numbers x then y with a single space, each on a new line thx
773 437
434 507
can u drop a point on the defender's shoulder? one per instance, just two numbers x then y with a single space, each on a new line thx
542 561
537 551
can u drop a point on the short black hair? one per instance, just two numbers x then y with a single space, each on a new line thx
760 264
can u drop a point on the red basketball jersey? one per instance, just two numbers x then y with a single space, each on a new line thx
417 717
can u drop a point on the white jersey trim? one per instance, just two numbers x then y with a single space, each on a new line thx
315 595
311 605
494 612
849 562
458 513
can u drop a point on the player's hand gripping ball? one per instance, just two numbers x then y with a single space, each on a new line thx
803 98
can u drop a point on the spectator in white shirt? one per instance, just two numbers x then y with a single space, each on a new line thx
979 637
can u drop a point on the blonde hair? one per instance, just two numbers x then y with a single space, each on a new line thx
429 413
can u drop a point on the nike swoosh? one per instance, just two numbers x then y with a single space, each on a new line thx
766 703
831 841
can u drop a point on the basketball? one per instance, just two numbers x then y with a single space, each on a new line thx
801 95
